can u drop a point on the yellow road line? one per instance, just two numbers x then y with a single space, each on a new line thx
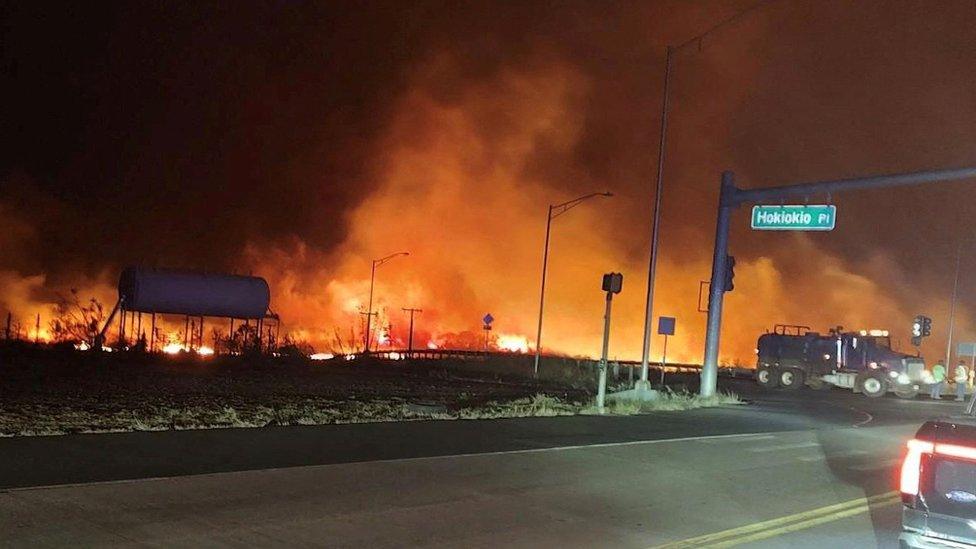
808 523
789 523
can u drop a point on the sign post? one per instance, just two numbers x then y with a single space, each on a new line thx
665 327
488 319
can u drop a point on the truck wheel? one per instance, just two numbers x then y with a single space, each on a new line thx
907 391
791 379
767 378
874 385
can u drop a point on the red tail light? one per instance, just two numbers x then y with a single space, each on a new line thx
953 450
911 467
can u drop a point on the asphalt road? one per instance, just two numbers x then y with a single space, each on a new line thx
804 469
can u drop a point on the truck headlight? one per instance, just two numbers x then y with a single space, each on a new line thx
903 379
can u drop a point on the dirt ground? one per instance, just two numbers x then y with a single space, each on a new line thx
55 391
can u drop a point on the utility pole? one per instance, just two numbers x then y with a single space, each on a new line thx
731 198
410 337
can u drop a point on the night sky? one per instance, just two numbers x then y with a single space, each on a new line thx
297 140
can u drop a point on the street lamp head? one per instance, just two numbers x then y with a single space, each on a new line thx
382 260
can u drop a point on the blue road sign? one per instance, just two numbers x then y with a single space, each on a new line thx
665 325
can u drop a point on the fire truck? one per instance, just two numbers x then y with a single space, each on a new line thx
791 357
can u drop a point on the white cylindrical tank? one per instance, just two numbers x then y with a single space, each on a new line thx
195 294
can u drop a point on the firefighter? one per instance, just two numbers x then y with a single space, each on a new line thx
961 378
938 378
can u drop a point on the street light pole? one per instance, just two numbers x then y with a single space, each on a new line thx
652 267
659 192
369 308
372 279
952 306
554 212
542 294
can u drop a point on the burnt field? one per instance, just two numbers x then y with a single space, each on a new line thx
55 391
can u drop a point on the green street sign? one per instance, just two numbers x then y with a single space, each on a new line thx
794 218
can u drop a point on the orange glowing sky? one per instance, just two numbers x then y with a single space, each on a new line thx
298 143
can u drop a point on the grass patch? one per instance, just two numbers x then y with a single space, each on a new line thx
667 402
51 419
539 405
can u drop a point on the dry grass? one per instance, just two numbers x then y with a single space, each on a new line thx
537 406
120 401
668 402
42 420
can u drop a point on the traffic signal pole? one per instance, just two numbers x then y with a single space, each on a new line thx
716 290
731 197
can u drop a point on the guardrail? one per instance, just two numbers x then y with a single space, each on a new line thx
618 365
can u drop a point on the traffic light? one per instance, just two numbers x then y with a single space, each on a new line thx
613 282
729 273
921 327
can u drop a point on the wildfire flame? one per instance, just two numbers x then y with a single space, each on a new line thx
513 343
460 182
173 348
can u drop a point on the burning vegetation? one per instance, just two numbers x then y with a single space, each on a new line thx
316 164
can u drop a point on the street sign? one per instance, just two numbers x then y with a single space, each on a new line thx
488 319
665 325
794 218
966 349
